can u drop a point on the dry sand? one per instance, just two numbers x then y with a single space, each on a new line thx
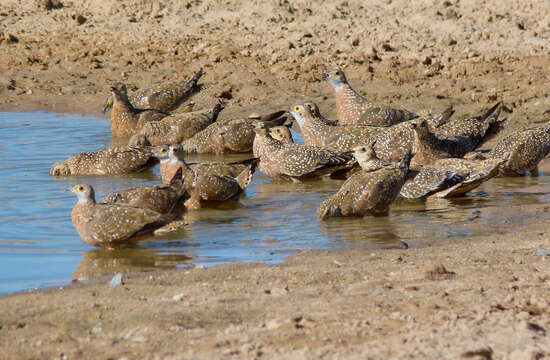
485 297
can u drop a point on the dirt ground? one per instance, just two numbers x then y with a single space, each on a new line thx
481 298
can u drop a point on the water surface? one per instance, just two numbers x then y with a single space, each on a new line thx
39 246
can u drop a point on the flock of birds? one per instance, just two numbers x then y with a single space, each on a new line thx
383 154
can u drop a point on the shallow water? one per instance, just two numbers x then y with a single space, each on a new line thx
39 246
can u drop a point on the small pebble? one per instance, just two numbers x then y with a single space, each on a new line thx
542 253
376 292
97 329
116 280
178 297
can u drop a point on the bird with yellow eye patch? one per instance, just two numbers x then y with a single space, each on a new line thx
111 225
112 161
352 108
164 96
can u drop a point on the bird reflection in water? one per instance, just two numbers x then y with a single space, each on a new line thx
368 231
99 263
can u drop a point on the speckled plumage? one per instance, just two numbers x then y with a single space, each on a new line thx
367 192
175 128
465 135
164 199
113 161
429 180
314 109
296 162
455 138
139 141
352 108
126 120
206 181
427 147
522 151
229 136
164 96
367 158
394 142
111 225
447 178
211 139
338 138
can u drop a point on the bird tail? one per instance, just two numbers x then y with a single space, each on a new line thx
496 125
216 110
444 117
192 84
245 177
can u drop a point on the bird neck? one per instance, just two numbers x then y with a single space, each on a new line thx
121 102
86 201
351 94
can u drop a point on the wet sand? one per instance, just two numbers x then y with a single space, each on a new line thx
484 297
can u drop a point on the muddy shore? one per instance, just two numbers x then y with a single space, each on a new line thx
484 297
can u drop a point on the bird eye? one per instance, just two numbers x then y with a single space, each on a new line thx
81 188
336 74
297 108
162 151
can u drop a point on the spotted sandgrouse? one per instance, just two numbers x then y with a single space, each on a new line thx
394 142
522 151
126 120
232 136
113 161
295 162
110 225
164 199
465 135
175 128
206 181
352 108
367 192
164 96
339 138
447 178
